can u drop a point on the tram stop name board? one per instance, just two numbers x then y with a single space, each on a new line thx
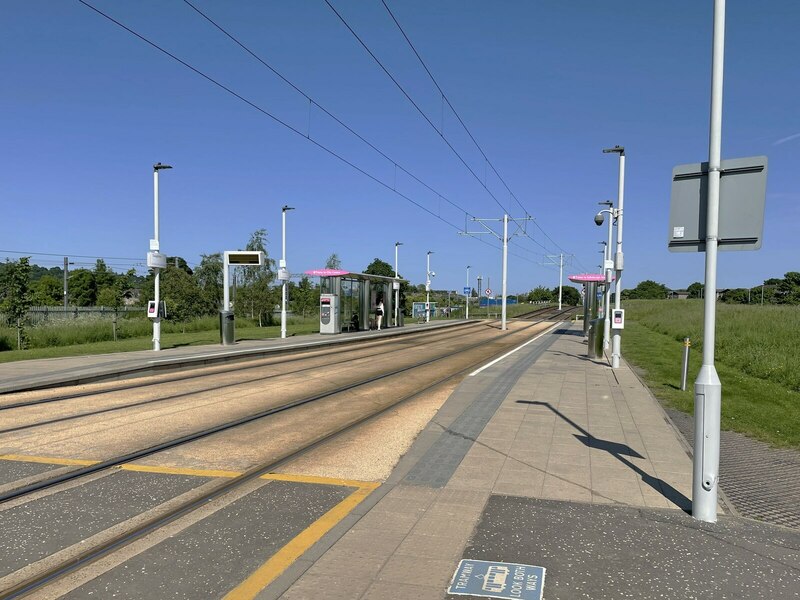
497 580
742 196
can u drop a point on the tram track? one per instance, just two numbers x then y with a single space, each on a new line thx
364 352
278 360
200 434
89 555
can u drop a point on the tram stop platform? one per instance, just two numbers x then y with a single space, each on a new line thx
545 475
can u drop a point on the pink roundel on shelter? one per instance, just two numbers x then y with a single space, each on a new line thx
588 278
326 272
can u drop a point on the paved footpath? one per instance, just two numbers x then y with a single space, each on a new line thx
551 459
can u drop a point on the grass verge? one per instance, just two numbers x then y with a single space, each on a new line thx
168 340
759 408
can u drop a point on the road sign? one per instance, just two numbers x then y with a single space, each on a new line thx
742 196
467 291
488 293
497 580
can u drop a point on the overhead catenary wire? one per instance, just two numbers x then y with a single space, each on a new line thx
415 105
430 122
314 102
467 130
278 120
452 108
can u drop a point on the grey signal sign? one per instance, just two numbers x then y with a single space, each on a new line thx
742 196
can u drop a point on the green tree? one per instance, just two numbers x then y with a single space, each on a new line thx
305 297
82 287
178 262
569 295
17 299
333 262
257 298
103 276
48 291
540 294
647 290
695 290
108 296
788 289
208 276
735 296
180 293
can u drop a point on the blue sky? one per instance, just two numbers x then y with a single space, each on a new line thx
87 109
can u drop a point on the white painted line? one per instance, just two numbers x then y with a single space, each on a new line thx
507 354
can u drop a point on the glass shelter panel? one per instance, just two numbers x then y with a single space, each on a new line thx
350 304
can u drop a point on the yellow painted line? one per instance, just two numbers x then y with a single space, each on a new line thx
181 471
270 570
319 480
48 460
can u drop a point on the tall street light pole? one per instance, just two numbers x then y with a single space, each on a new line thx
155 247
397 289
468 294
707 387
616 339
428 288
283 272
607 271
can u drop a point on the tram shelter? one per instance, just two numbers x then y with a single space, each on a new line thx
348 300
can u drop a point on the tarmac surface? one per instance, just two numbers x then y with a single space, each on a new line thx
544 458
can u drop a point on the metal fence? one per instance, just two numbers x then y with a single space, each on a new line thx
43 314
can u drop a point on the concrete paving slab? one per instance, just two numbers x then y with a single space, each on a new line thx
213 556
593 551
43 526
12 470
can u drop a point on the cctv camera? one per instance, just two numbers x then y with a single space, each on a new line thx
599 219
433 274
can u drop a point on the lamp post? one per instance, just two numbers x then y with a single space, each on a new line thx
283 272
155 247
468 294
480 280
428 275
618 258
598 219
707 386
397 289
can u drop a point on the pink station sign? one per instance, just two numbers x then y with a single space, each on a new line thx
326 272
588 278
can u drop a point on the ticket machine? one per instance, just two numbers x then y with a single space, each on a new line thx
329 314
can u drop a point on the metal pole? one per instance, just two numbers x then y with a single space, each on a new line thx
283 265
687 345
607 299
707 387
157 320
616 339
397 291
560 277
428 289
66 279
468 294
226 284
503 325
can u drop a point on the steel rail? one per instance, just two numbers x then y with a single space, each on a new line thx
439 338
315 351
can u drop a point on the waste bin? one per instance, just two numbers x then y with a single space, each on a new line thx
227 335
595 340
598 337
